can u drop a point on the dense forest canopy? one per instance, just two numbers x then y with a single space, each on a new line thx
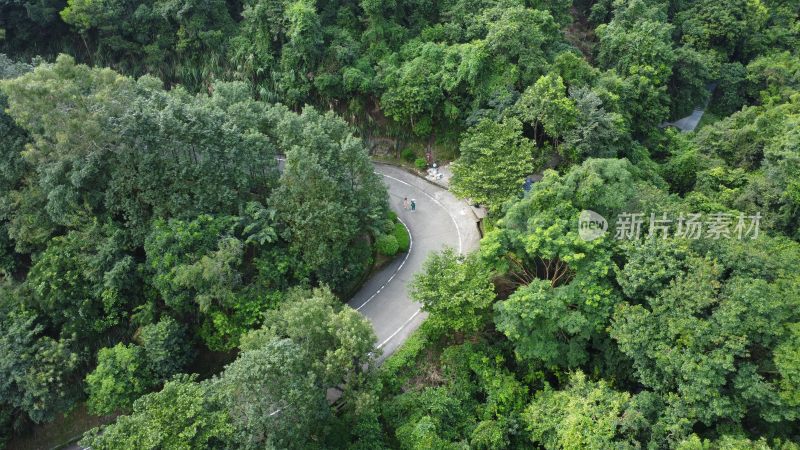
428 66
146 221
140 223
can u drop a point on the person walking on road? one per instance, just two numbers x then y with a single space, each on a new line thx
405 202
413 205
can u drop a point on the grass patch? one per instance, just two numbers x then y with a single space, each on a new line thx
446 146
380 262
403 238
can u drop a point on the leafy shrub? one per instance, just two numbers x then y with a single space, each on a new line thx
403 239
408 155
122 375
389 223
421 163
423 127
166 347
387 245
396 369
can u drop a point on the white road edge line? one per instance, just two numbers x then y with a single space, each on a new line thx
410 246
460 250
400 329
458 230
408 253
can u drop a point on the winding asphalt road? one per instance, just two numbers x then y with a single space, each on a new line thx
440 220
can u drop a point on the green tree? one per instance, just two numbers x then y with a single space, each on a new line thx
308 201
731 27
432 417
728 441
183 415
456 291
111 154
98 159
423 434
69 144
749 163
329 196
227 311
12 165
126 372
787 361
257 45
584 415
691 75
301 52
418 81
86 284
638 36
272 398
731 92
596 133
564 289
574 70
335 342
173 245
197 268
638 98
546 104
711 311
180 32
521 37
122 375
772 78
38 372
495 159
167 348
311 344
